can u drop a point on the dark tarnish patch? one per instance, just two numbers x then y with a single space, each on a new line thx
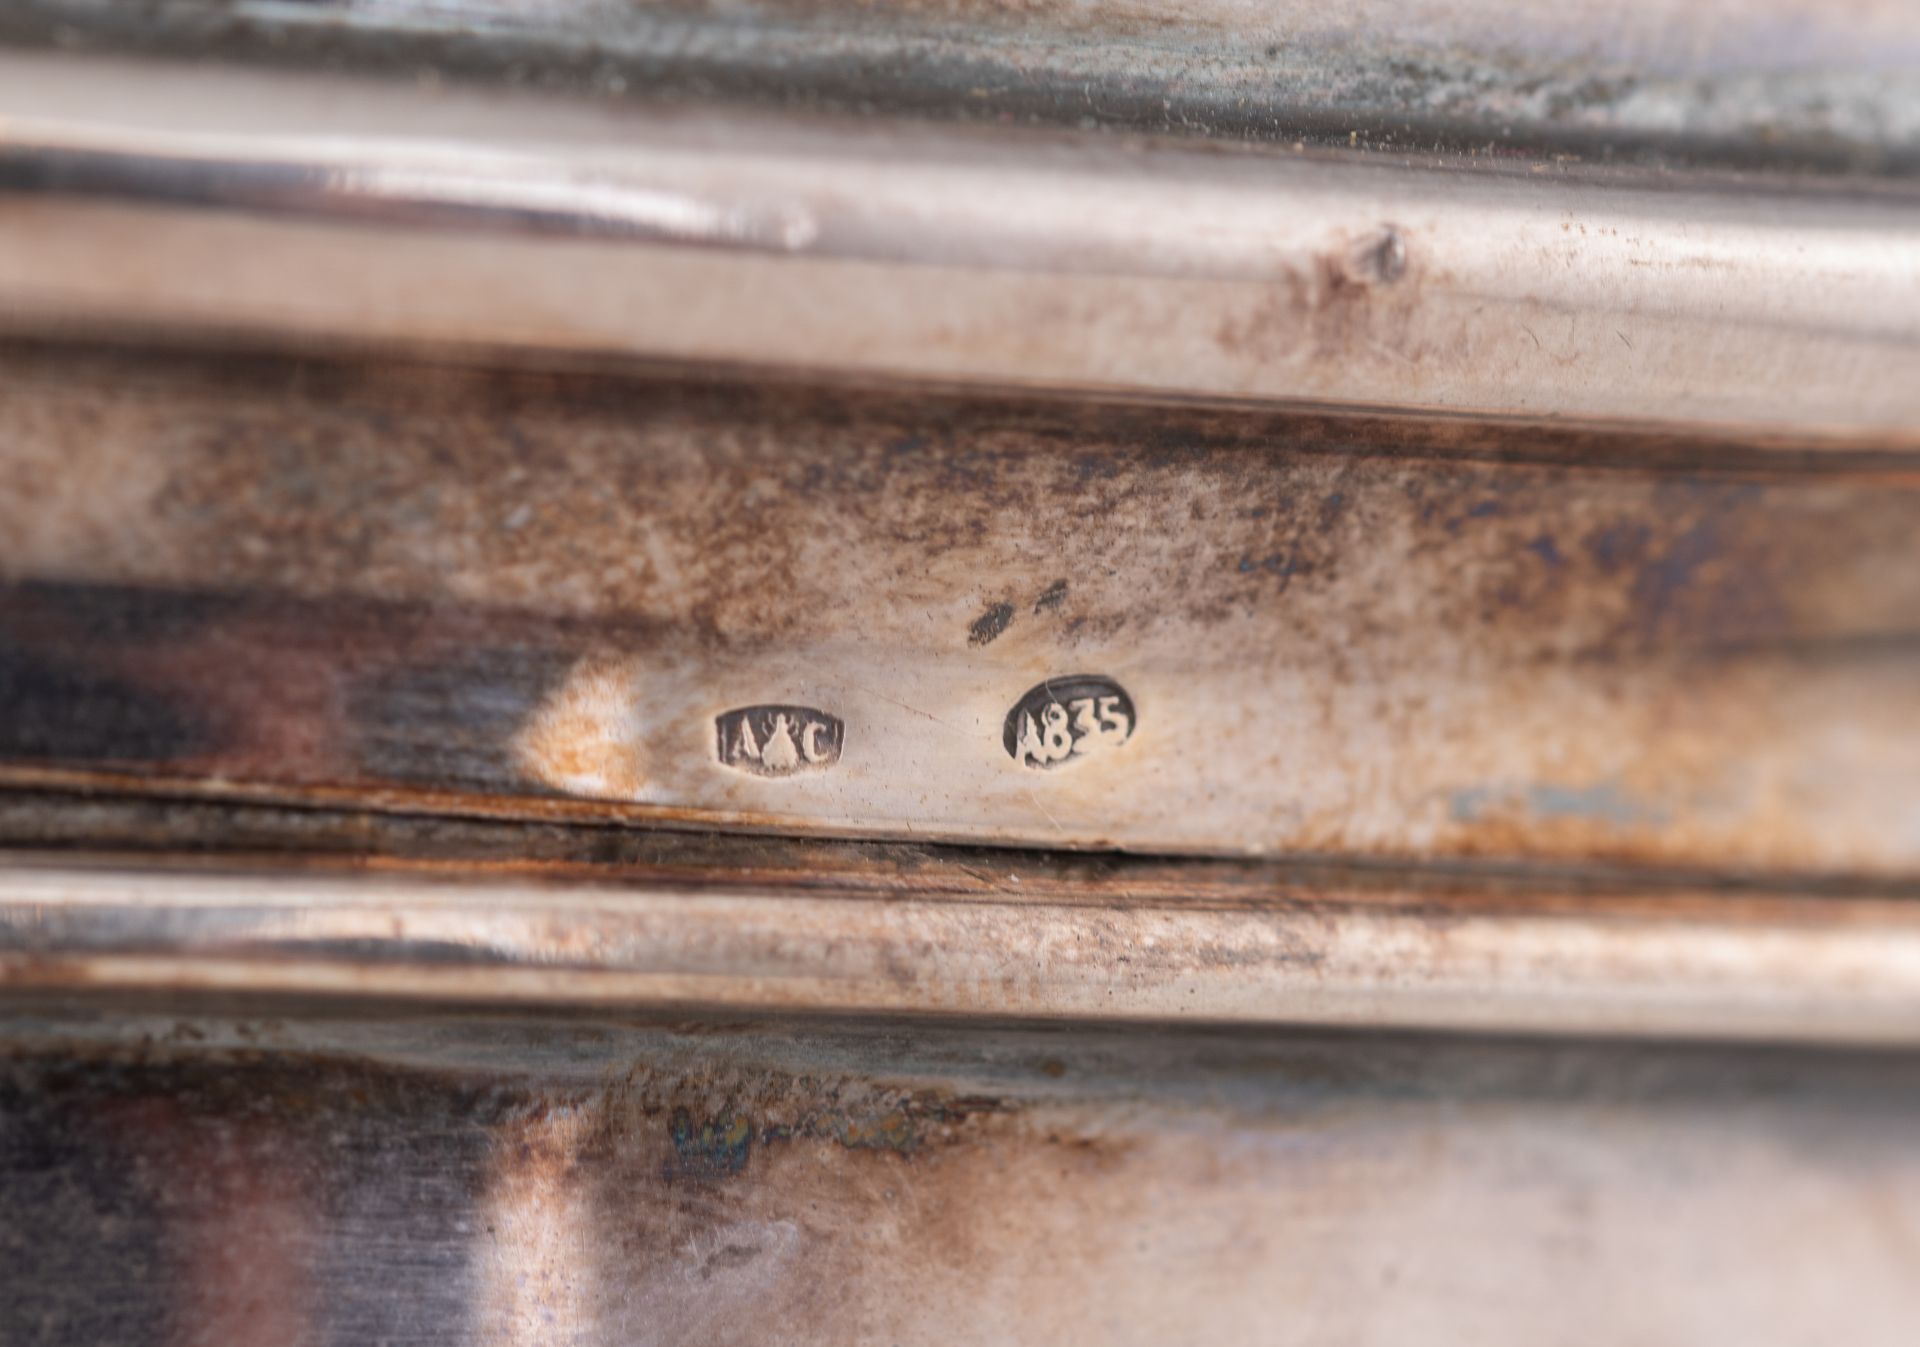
714 1148
451 722
989 626
1619 545
1388 86
1050 601
1282 565
767 1110
207 1183
1662 580
1547 550
58 709
1716 574
1604 804
892 1131
1381 258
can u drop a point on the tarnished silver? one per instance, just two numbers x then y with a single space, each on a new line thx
748 671
467 1180
1768 83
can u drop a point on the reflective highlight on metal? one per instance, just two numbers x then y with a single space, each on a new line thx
1659 962
303 209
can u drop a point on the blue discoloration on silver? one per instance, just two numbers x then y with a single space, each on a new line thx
1602 802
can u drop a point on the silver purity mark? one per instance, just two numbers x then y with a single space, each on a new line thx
1067 719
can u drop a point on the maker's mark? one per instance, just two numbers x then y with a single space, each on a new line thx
779 740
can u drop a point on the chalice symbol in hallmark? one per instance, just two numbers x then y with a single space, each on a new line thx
779 754
778 740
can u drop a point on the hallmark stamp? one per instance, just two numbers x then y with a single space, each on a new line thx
779 740
1067 719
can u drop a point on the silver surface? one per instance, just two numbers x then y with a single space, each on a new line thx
1659 961
1761 83
316 209
172 1176
413 587
370 1074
